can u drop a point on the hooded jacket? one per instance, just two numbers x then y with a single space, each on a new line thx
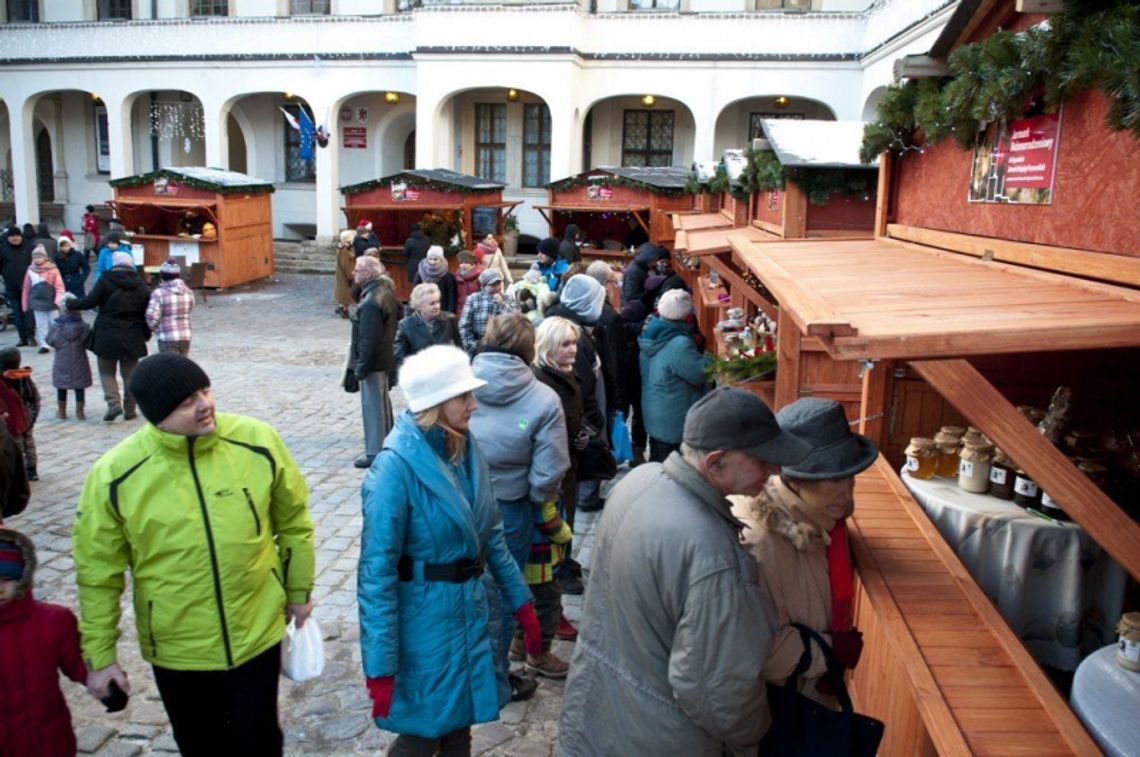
70 369
520 429
415 249
120 328
374 328
37 640
674 630
633 280
74 268
14 490
431 635
568 247
216 533
14 262
672 377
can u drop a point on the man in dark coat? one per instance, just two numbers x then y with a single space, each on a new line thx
372 357
568 247
15 257
633 283
365 238
415 249
120 330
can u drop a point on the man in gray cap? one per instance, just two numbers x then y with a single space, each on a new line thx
480 308
675 628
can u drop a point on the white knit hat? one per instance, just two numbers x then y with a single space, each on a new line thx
676 305
435 251
584 296
433 376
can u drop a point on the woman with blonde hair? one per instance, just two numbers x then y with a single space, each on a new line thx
428 324
431 526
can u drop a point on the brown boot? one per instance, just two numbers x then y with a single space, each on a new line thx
517 651
79 411
61 410
547 665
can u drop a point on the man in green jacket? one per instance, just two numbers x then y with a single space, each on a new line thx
210 515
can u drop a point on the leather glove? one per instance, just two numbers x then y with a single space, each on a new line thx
848 646
380 689
532 631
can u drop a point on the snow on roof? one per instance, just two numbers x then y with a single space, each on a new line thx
217 176
816 144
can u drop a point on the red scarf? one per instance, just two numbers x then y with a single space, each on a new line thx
842 578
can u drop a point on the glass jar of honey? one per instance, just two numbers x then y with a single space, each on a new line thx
974 466
949 446
921 458
1051 508
1001 476
1025 491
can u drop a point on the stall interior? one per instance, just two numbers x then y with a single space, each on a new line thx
169 219
612 230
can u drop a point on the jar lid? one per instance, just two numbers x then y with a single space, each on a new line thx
952 431
1092 468
942 437
982 444
920 444
1129 626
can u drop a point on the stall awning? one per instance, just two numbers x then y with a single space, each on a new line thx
701 221
716 241
888 299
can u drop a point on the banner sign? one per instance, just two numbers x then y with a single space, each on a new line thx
402 192
599 192
355 137
1016 164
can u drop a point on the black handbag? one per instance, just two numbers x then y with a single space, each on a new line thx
350 382
804 727
596 462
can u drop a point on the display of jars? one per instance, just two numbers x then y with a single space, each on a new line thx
1128 643
1049 507
921 458
1002 472
974 466
949 445
1025 491
1080 442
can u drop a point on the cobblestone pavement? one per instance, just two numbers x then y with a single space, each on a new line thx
273 350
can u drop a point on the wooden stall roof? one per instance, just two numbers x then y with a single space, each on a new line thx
816 144
670 178
701 221
977 687
461 181
882 298
716 241
200 177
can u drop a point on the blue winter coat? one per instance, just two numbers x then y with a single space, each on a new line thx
672 377
552 273
431 635
103 262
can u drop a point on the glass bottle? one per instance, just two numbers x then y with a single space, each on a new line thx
1025 491
921 458
1001 476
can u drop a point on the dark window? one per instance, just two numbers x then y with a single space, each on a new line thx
647 139
209 7
23 10
536 145
796 5
102 140
310 7
646 5
297 168
114 10
491 142
754 119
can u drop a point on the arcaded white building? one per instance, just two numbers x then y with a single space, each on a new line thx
523 92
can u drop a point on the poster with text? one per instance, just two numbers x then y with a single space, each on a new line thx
1016 162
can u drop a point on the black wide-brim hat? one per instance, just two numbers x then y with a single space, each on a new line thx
837 452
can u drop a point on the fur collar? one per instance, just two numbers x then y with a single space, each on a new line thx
771 510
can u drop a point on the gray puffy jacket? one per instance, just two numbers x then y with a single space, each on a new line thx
675 628
520 429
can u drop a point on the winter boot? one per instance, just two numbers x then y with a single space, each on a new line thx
517 652
129 413
113 412
61 410
566 631
32 474
79 414
547 665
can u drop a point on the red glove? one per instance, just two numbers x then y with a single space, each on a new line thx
532 631
380 689
848 646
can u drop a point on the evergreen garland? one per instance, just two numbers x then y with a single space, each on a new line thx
764 173
415 182
1093 44
205 186
611 180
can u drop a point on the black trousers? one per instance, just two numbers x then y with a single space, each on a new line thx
658 451
454 744
217 712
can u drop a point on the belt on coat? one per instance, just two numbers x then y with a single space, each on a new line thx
460 571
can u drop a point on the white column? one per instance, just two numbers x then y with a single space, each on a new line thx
119 131
704 137
217 136
426 146
565 140
24 191
328 175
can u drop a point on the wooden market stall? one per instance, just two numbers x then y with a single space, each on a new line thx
601 202
430 197
956 312
153 208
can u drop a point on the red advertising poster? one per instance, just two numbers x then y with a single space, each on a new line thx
1016 164
599 192
164 186
355 137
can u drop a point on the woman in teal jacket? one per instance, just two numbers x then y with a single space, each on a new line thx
431 524
672 373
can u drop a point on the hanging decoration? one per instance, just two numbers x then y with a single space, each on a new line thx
1088 46
175 120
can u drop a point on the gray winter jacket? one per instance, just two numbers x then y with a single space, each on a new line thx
675 628
520 429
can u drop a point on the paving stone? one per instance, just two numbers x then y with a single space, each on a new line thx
139 732
120 748
488 736
165 743
90 738
342 728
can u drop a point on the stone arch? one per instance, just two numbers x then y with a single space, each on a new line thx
735 120
604 124
871 104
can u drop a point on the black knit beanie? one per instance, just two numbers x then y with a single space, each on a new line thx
161 382
548 247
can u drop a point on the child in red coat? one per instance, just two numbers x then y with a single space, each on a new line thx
37 639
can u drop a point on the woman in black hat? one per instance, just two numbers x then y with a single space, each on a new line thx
797 532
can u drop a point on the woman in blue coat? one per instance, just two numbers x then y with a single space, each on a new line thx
431 526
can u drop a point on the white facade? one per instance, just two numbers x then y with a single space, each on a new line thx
712 65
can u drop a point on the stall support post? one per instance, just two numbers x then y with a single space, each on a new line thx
977 399
788 339
875 401
795 212
883 195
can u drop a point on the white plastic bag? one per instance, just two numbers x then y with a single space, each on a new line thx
303 651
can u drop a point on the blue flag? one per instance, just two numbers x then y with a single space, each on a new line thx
307 130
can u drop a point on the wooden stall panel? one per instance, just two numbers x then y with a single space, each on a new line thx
842 213
820 376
